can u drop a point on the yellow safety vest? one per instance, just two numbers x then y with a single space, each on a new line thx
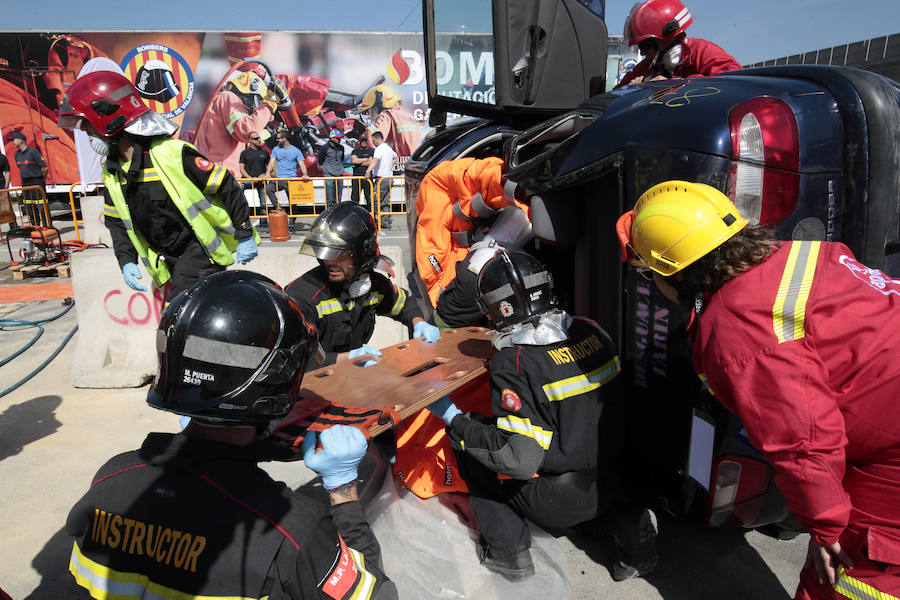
206 215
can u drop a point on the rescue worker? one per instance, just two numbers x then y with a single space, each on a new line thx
658 28
32 170
551 451
192 515
243 108
384 107
800 340
166 204
454 202
344 293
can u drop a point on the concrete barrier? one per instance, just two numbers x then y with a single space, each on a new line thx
116 340
95 231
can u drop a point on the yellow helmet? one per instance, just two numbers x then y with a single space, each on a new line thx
385 93
674 224
248 82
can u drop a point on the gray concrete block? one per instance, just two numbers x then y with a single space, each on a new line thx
116 338
95 231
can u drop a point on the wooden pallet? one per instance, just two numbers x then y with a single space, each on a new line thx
55 270
408 377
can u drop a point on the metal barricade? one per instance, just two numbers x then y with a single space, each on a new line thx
384 187
29 195
301 196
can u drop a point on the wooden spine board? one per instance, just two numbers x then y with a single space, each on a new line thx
408 377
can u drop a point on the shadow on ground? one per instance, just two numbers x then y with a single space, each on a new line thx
27 422
698 562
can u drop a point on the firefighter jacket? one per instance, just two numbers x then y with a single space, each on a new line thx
168 196
700 58
225 128
185 517
345 323
547 401
452 198
803 347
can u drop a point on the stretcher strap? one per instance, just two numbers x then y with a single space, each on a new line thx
361 418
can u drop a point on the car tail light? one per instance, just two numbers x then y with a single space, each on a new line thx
740 485
765 149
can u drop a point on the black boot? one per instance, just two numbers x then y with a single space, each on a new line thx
634 533
515 567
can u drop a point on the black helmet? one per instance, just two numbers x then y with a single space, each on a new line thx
231 348
344 229
514 287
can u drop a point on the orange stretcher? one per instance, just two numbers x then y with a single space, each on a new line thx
408 377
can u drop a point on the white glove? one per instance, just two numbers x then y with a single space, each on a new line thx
480 253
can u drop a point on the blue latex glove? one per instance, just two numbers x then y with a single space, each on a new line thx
343 447
357 352
424 329
444 408
247 250
131 273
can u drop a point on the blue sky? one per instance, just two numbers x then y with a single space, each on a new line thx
751 30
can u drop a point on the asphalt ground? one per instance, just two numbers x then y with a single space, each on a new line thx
53 437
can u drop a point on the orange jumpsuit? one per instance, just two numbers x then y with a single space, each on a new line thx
453 183
222 134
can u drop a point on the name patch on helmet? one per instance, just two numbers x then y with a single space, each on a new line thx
510 401
506 309
435 264
196 377
203 164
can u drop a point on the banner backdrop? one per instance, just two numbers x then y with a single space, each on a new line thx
214 86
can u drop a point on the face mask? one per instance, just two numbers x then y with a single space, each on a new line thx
672 58
99 146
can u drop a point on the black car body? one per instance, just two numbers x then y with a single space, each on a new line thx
812 151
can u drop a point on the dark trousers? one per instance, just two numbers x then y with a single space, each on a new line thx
366 185
260 188
272 188
384 200
333 189
189 268
33 202
553 502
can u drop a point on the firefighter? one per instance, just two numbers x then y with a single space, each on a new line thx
454 204
192 515
800 340
166 204
658 28
244 107
344 293
384 108
32 170
551 452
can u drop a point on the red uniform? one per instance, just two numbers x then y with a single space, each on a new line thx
226 126
803 347
700 58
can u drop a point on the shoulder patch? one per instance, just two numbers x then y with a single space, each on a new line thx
203 164
510 400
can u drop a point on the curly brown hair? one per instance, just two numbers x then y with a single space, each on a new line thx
746 249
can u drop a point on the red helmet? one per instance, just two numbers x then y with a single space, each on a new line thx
659 19
105 99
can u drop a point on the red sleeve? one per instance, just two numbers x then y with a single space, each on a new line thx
707 58
792 416
639 70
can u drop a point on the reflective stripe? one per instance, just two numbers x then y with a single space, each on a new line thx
459 214
105 583
146 262
120 93
400 303
214 244
856 589
536 279
704 383
372 299
328 307
504 291
198 207
215 180
582 384
439 321
129 226
229 230
235 117
146 175
224 353
110 211
789 310
366 584
523 426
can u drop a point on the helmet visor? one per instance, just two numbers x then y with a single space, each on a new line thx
323 252
71 122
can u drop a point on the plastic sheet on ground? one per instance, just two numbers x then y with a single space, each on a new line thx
430 553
